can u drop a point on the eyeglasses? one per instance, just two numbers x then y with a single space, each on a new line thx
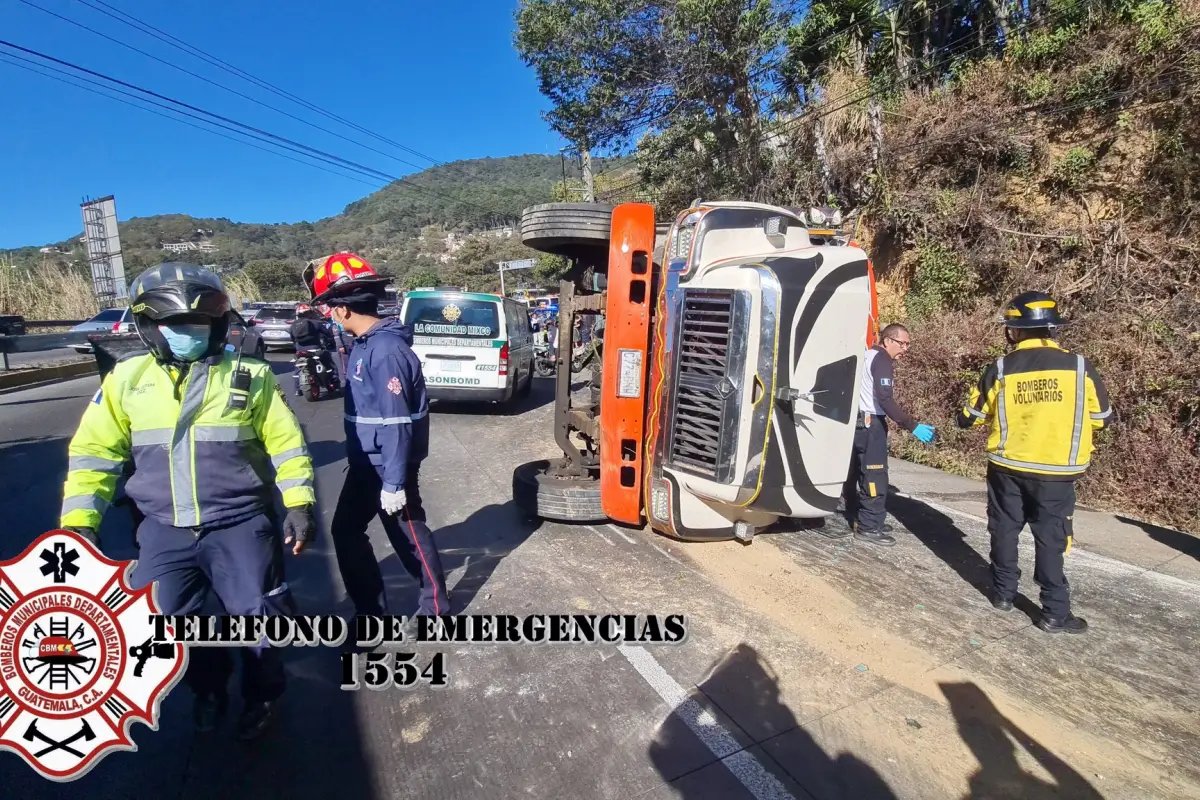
902 342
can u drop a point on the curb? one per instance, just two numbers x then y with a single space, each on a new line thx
26 377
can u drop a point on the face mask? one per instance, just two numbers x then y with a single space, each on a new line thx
187 342
338 325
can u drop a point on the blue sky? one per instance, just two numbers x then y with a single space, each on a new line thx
441 78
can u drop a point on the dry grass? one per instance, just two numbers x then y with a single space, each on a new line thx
49 293
60 293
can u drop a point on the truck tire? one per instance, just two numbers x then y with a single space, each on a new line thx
545 496
567 228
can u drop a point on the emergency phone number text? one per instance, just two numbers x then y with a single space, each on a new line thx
388 670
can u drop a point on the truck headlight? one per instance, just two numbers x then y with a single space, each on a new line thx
629 381
658 503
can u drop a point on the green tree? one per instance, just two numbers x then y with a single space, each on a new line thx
420 277
277 279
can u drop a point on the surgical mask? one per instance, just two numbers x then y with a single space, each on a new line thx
187 342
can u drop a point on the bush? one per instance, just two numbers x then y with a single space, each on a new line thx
1094 83
1071 170
942 281
1037 87
1043 47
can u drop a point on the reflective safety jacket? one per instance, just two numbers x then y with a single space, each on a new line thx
386 408
1042 405
198 461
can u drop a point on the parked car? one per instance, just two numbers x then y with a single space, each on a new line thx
110 320
273 323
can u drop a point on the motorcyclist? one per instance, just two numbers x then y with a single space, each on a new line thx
311 332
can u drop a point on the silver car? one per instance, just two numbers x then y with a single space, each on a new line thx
273 323
110 320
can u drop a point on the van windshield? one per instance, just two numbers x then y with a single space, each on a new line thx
453 316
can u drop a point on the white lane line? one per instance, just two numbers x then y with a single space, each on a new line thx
621 533
745 767
1106 564
610 542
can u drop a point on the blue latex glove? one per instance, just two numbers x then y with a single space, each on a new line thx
924 433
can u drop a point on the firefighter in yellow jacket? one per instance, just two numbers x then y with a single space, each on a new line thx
211 437
1041 404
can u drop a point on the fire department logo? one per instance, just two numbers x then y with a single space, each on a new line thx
452 313
394 386
77 662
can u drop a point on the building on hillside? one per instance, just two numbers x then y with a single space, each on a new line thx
199 240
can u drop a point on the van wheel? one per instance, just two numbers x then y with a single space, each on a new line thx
546 496
567 229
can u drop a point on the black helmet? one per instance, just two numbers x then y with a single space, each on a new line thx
1032 310
173 291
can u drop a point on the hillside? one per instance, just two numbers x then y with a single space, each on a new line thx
460 196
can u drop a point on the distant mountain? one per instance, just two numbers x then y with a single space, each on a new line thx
459 197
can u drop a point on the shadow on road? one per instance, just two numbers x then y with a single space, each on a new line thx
541 393
948 542
479 543
993 739
744 687
1185 543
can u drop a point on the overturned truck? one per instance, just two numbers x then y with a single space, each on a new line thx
724 387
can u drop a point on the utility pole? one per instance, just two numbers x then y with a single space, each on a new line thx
500 264
589 185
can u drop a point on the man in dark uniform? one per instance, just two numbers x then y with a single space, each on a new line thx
1041 405
868 480
387 438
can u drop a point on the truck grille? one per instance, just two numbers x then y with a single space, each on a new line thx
703 360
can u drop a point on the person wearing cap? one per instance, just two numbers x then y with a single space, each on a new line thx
387 438
211 438
1041 405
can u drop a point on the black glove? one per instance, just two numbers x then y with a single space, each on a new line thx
299 525
86 533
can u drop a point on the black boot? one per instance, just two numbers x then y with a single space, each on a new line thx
1001 604
255 719
878 537
207 711
1067 624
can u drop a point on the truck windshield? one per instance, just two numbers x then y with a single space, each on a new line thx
453 316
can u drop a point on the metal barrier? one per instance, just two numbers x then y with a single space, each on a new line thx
36 343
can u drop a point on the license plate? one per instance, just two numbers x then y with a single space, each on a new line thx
273 334
451 366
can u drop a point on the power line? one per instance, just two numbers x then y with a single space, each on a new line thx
145 27
218 84
103 91
259 133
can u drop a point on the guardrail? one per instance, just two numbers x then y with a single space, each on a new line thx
39 342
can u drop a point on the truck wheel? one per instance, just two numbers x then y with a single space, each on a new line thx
546 496
567 229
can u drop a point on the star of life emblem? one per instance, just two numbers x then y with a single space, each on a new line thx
77 662
394 386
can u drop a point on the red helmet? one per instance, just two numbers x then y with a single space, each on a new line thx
344 274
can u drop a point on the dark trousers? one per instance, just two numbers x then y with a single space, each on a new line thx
1048 507
867 485
242 564
407 531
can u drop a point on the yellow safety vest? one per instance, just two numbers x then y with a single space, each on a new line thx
1042 404
197 461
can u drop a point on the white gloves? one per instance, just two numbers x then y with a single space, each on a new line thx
392 502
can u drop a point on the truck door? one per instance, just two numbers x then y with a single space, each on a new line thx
824 304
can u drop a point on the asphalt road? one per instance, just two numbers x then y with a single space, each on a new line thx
814 667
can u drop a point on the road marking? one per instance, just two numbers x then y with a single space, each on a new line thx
1103 563
745 767
610 542
621 533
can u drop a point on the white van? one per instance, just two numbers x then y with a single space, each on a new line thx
472 346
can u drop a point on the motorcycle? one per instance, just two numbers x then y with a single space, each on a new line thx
543 361
312 375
